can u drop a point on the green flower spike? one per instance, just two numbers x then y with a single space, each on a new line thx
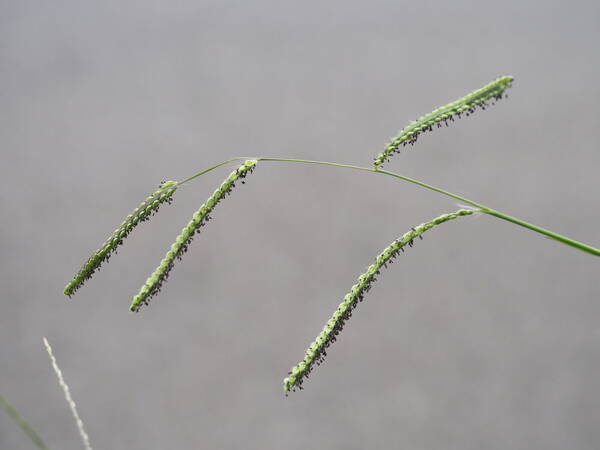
468 104
316 353
142 213
180 246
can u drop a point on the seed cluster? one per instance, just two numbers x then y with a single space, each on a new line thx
466 105
154 283
317 351
142 213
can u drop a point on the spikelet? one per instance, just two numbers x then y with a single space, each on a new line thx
142 213
317 351
467 105
180 246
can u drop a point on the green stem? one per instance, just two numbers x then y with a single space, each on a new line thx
210 168
14 414
558 237
484 209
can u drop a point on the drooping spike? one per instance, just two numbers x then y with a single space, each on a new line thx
142 213
317 350
180 246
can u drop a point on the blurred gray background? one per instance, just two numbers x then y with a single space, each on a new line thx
484 335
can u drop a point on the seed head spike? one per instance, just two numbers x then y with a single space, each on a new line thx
466 104
181 245
142 213
316 352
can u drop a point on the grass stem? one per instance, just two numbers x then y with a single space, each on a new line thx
482 208
22 423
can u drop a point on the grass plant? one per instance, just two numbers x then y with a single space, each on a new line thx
316 352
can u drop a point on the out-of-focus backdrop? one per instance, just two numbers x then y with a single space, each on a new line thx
484 335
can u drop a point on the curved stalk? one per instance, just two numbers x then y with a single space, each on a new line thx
482 208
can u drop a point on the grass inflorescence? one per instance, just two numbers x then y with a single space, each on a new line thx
180 246
317 351
465 105
146 209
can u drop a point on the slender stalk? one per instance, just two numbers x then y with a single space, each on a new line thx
211 168
558 237
30 432
65 387
484 209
